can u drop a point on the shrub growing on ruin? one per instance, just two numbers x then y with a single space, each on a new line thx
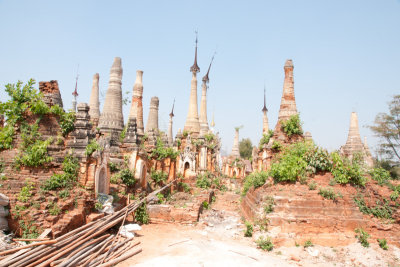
394 195
312 185
161 152
141 214
249 229
65 179
158 177
318 160
34 155
345 171
329 193
203 181
6 137
382 243
308 243
127 177
380 210
29 231
255 179
67 119
265 139
269 205
265 243
276 146
362 237
292 126
54 210
92 147
26 192
380 175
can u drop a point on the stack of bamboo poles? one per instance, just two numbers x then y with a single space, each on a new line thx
89 245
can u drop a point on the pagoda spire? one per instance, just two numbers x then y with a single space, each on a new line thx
171 115
192 120
265 107
195 68
203 103
265 117
75 92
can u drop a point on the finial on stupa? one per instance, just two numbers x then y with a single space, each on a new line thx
172 111
205 78
195 68
265 107
212 121
75 92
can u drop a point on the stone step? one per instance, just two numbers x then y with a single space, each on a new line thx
321 210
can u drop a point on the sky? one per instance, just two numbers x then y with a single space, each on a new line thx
345 53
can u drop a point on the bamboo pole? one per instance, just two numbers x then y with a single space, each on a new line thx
121 258
28 246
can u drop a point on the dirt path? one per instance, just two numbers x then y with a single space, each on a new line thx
217 240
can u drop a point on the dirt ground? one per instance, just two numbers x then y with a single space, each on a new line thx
218 240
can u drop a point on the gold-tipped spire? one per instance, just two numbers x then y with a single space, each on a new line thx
172 111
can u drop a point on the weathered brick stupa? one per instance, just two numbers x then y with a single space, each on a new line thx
354 144
203 106
192 121
235 148
111 118
288 101
94 102
51 93
152 121
265 118
137 102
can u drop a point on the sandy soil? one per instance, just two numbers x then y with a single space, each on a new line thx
217 240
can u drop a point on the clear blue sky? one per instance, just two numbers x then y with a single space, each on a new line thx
346 56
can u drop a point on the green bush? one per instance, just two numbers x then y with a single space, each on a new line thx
54 210
158 177
70 169
161 152
205 205
265 139
184 186
64 193
308 243
67 119
328 193
204 180
345 171
312 185
318 159
265 244
380 175
92 147
362 237
26 192
292 126
127 177
141 214
383 243
6 137
29 231
255 179
276 145
269 205
113 167
34 155
249 229
394 195
380 210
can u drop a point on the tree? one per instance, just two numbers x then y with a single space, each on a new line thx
245 148
387 128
